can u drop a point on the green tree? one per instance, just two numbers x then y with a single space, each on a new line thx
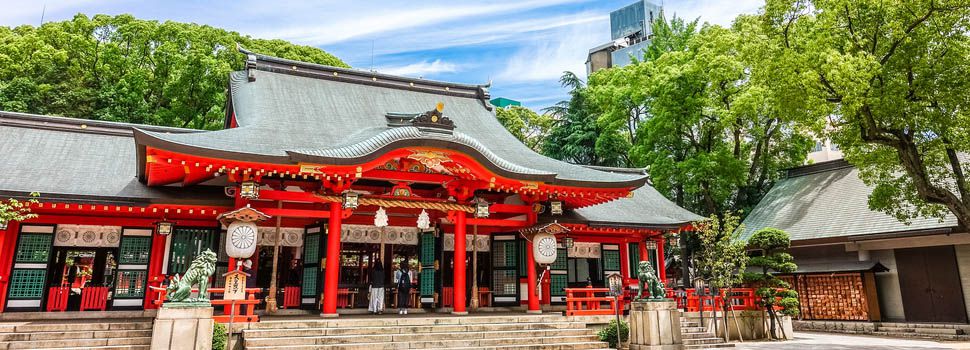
705 118
574 136
17 210
887 81
121 68
525 124
722 256
772 244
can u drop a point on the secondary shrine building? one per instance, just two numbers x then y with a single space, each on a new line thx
320 151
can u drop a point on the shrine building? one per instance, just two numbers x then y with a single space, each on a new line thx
321 152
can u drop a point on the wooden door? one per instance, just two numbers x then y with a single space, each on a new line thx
930 284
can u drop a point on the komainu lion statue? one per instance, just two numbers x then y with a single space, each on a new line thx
180 288
649 283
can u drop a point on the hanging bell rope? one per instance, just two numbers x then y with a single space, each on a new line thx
398 203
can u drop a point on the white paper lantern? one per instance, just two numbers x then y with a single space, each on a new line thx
241 239
544 248
380 218
424 221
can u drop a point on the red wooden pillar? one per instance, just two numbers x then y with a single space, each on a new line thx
644 254
8 242
155 262
459 271
530 263
331 277
662 269
625 260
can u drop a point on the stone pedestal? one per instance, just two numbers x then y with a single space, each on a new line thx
185 328
655 325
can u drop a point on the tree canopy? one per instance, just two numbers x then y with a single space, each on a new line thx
121 68
525 124
887 80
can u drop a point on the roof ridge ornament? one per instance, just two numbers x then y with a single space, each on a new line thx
434 119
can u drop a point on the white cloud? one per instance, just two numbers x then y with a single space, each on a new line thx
547 59
421 68
713 11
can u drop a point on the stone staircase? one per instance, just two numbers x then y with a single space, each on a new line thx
940 331
76 335
468 332
696 336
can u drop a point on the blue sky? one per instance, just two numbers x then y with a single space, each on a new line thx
522 46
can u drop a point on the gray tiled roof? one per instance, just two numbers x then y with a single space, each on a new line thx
283 112
69 159
827 204
646 208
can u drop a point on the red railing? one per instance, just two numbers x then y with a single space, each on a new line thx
448 297
738 299
291 297
94 298
236 313
57 298
590 301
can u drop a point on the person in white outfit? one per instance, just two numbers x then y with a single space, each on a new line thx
376 305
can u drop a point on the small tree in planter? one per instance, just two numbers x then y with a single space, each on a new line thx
772 291
721 257
16 210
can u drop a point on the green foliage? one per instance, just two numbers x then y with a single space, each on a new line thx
887 81
721 256
699 113
219 336
17 210
771 290
525 124
574 136
608 334
121 68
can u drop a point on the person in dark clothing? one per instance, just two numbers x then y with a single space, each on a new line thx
403 279
376 305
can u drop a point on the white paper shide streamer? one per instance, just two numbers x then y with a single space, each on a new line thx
424 221
380 218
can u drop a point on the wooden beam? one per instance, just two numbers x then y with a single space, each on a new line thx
297 213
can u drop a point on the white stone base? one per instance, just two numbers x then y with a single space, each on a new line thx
655 325
183 329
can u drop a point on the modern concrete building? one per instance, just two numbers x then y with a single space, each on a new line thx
630 34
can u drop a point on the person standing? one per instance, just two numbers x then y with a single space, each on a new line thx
376 305
403 279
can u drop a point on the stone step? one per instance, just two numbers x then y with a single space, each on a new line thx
62 343
493 342
697 341
414 337
33 327
384 330
590 345
115 347
709 346
6 337
922 325
395 322
697 335
920 330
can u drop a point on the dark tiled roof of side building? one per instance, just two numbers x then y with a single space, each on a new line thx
827 202
69 159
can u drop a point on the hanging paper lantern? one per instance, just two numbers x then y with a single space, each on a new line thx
424 221
380 218
241 239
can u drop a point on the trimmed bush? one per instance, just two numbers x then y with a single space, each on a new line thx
608 334
219 336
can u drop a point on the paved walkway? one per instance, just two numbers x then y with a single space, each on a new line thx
832 341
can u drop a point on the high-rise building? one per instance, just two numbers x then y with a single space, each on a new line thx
630 33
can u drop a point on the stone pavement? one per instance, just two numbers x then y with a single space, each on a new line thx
832 341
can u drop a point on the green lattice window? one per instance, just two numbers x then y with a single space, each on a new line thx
611 260
27 283
427 253
557 285
34 248
505 282
427 281
131 284
633 251
187 243
560 263
504 254
311 249
135 250
309 288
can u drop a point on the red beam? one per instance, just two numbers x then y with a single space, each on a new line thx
297 213
405 176
497 222
291 196
510 208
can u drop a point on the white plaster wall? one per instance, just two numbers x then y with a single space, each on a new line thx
963 264
887 283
